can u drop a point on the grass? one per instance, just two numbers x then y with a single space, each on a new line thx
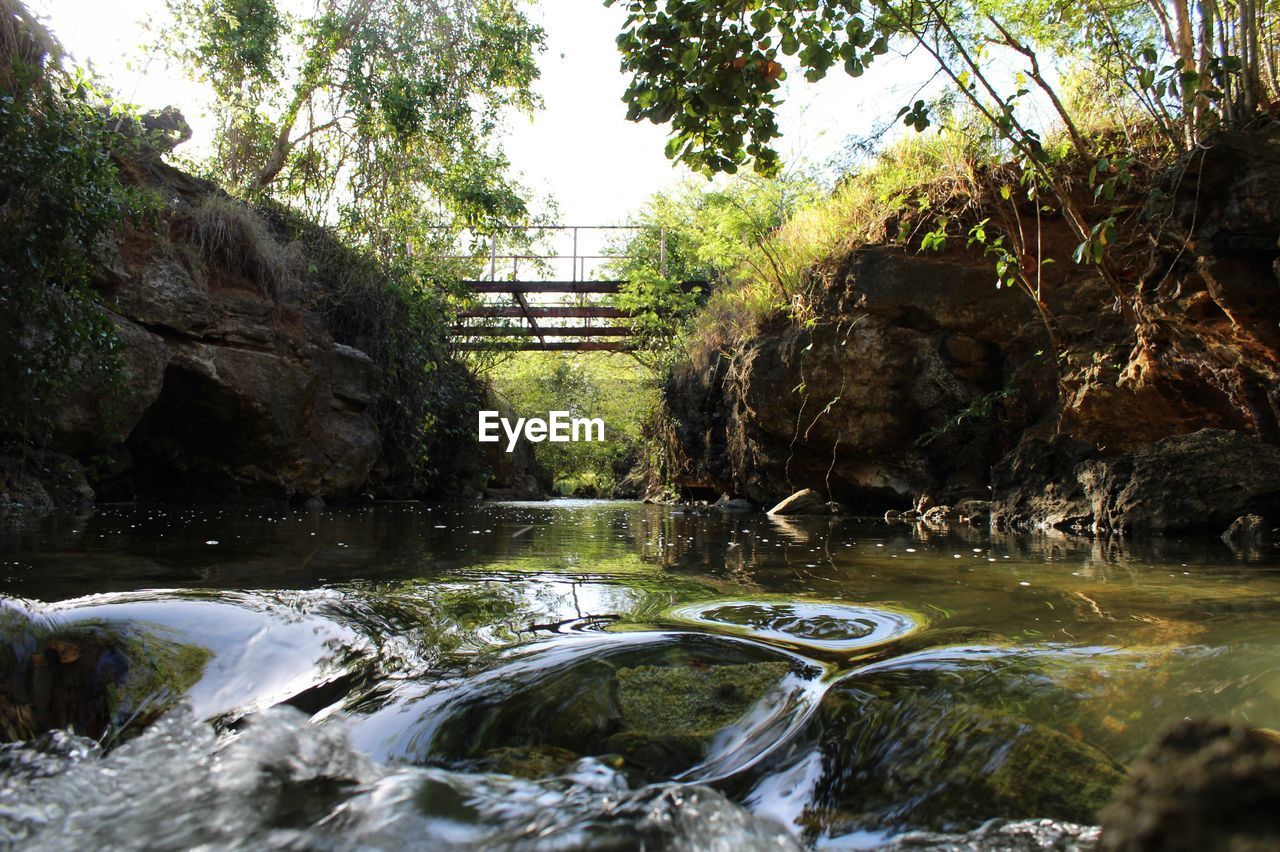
232 237
880 204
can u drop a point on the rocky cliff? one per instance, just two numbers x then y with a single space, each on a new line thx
920 377
231 385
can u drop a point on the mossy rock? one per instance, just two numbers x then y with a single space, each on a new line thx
93 680
670 713
530 762
909 763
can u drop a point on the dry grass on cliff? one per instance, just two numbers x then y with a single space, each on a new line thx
235 239
955 176
25 44
883 203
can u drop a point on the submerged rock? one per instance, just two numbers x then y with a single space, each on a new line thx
655 705
1204 785
897 762
668 714
825 627
88 679
1027 835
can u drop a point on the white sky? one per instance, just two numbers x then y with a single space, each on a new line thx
580 148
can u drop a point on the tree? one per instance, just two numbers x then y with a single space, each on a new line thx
704 233
373 113
712 70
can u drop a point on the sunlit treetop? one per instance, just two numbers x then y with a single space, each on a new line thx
712 69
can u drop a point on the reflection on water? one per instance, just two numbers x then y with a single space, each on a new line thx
579 674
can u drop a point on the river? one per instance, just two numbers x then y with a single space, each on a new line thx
589 674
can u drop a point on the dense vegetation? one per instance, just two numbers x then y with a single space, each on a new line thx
60 197
613 387
1126 87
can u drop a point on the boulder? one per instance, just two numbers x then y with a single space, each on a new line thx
1248 532
947 766
1204 785
1036 485
803 502
732 504
974 512
939 515
99 415
41 482
1187 482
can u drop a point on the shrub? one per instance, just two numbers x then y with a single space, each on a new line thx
60 198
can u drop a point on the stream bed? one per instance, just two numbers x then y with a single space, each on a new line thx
598 675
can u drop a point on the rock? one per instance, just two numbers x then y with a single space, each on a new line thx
1204 785
914 375
939 515
160 130
231 421
355 377
903 344
98 416
88 679
1248 531
1036 485
949 767
41 482
732 504
313 503
671 713
803 502
1188 482
974 512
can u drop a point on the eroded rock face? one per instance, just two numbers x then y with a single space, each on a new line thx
919 378
846 405
225 390
1197 481
1200 481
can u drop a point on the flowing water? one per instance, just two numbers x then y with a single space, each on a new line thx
576 675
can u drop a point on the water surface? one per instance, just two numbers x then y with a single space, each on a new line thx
582 674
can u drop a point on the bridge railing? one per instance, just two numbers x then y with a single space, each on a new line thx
540 294
580 257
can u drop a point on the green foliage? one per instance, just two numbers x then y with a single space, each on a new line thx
612 387
660 308
377 116
60 198
395 311
712 70
723 233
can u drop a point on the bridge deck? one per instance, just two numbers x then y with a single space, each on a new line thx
545 309
533 335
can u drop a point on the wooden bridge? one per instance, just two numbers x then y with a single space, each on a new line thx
562 312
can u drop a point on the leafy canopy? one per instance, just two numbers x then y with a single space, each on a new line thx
365 107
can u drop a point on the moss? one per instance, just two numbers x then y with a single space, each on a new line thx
947 767
160 673
691 700
526 761
669 713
